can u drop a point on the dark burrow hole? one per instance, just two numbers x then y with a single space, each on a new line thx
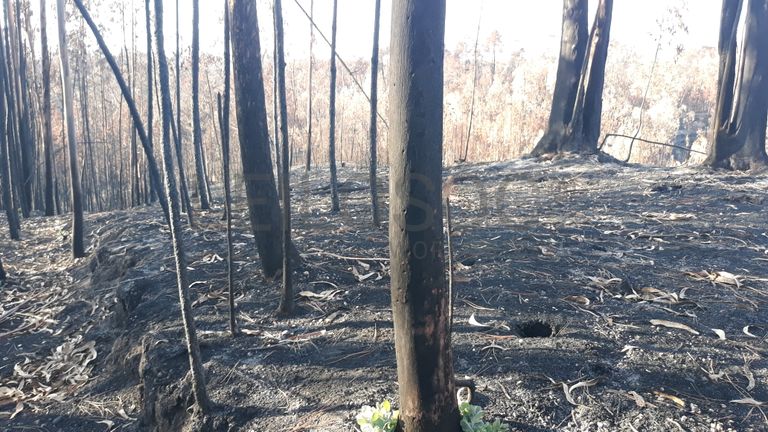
469 262
536 329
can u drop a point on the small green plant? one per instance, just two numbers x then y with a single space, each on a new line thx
383 419
472 420
379 419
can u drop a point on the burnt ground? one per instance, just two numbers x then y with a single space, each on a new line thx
590 297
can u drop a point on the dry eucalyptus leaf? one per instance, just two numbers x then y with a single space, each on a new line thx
578 299
747 332
748 401
679 402
674 325
19 408
108 423
726 278
568 390
473 322
720 333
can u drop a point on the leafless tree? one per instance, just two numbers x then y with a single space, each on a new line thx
332 117
182 278
253 133
78 248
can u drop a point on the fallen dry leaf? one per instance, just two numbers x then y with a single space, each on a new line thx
679 402
578 299
674 325
475 323
748 401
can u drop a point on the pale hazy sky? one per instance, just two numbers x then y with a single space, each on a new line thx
530 24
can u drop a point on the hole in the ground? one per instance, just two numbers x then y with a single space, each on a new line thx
469 262
536 328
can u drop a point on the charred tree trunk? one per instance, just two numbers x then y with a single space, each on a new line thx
224 126
286 296
335 207
47 130
154 174
78 248
2 271
374 104
197 132
573 47
276 108
153 191
742 102
420 298
463 157
584 129
193 347
308 166
24 162
186 203
253 132
14 228
574 122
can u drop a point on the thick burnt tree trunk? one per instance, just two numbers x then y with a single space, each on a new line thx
574 119
182 279
573 47
583 131
420 300
47 129
253 132
78 248
741 112
374 107
5 161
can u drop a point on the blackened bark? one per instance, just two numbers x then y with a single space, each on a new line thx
224 127
573 46
286 296
332 118
47 130
78 248
582 133
420 302
263 206
197 132
5 162
276 108
574 122
740 117
593 101
2 271
185 201
153 191
308 166
193 347
372 126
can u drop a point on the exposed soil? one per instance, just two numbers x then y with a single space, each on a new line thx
590 297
